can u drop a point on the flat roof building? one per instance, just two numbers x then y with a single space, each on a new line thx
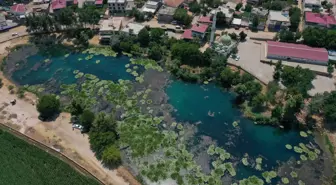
165 14
297 53
109 27
133 28
173 3
150 7
278 20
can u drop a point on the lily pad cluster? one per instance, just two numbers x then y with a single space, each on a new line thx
106 51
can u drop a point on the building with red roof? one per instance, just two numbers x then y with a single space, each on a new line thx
205 20
58 4
18 9
197 30
297 53
99 2
173 3
319 20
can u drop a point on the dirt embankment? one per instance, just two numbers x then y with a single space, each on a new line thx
56 134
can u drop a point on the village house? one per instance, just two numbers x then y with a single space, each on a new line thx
197 30
18 9
150 7
108 27
309 5
319 20
117 6
133 28
166 14
57 5
278 20
296 53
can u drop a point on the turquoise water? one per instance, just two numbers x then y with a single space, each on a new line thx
193 103
37 71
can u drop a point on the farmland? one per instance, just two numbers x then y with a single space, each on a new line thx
22 163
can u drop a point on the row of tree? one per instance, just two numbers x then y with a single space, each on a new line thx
101 127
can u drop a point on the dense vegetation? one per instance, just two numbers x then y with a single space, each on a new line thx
22 163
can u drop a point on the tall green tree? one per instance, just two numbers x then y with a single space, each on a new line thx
182 16
86 120
277 71
48 106
143 37
111 156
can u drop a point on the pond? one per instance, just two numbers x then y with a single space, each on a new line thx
38 68
214 112
207 107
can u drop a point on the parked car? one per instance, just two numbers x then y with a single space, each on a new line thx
77 126
15 34
174 22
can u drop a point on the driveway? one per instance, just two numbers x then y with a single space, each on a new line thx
250 54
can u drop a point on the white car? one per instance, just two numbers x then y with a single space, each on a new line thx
237 58
80 127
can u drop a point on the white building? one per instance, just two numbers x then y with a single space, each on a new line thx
116 6
109 27
278 20
225 10
150 7
310 4
133 28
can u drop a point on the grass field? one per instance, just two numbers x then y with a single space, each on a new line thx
25 164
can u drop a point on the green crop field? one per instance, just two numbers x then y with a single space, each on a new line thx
25 164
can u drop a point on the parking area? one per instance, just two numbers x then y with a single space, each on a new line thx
250 54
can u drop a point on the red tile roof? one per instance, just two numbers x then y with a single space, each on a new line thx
206 19
200 28
58 4
99 2
18 8
297 51
75 2
318 18
173 3
187 34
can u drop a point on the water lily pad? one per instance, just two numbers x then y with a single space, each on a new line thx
285 180
300 182
298 149
289 147
245 161
303 158
293 174
303 134
67 55
97 61
235 124
75 71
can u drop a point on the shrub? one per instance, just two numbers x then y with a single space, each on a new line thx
47 106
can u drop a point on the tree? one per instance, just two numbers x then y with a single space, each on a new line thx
297 78
111 156
229 78
143 37
233 36
329 6
99 141
330 69
248 8
239 6
181 15
246 77
255 22
316 10
295 17
286 36
242 35
234 50
48 106
86 120
221 19
277 112
258 101
329 110
156 34
194 7
189 54
75 107
277 71
155 53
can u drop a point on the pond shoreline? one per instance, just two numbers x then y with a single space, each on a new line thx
162 88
